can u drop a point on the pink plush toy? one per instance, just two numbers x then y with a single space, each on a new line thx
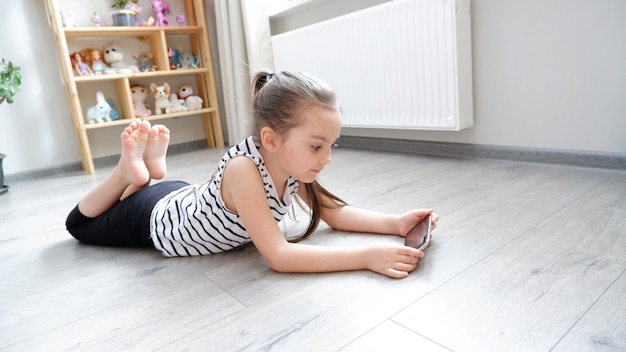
139 94
161 10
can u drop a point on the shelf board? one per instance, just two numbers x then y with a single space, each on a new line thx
131 31
148 118
111 77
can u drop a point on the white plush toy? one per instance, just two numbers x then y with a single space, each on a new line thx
69 18
193 102
114 57
187 60
176 105
161 95
100 112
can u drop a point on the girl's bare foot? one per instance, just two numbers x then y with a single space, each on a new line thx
134 140
156 150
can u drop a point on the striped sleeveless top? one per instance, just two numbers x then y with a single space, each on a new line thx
194 221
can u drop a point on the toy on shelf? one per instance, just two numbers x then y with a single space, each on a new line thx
161 9
100 112
139 93
69 18
134 7
176 105
96 19
79 64
187 61
192 101
161 95
114 57
180 19
93 58
173 55
114 114
145 62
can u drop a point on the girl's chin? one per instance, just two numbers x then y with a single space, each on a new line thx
308 179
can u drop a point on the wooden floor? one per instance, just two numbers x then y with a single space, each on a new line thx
526 257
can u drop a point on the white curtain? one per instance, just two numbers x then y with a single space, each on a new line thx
244 47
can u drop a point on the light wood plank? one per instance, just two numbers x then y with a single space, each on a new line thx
526 256
528 293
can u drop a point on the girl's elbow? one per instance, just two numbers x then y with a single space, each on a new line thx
279 266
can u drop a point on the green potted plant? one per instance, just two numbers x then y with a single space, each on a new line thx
10 81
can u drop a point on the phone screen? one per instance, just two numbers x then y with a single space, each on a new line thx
419 236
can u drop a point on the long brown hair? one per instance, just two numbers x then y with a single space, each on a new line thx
278 102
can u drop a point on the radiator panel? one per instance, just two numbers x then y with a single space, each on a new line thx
403 64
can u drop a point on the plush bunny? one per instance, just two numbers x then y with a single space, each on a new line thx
192 101
100 112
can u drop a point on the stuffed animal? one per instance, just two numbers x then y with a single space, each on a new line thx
176 105
69 18
161 9
187 60
100 112
114 114
145 61
139 94
193 102
161 95
173 55
114 57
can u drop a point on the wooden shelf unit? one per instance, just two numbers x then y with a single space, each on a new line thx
157 38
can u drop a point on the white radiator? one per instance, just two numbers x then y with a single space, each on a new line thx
403 64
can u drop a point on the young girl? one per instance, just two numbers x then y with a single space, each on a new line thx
296 123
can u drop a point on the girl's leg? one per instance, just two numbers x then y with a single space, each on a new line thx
126 224
129 171
153 157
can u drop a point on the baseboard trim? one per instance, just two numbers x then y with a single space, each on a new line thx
98 163
612 161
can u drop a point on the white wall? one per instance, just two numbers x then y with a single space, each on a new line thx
547 74
36 131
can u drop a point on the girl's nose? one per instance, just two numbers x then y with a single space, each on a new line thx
326 159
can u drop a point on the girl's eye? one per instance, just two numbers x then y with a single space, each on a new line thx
316 147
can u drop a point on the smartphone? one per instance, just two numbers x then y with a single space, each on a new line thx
419 236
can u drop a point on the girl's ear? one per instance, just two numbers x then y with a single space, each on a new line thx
269 139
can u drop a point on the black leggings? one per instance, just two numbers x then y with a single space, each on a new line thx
126 224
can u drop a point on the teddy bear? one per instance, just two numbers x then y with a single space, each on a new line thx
139 93
193 102
114 57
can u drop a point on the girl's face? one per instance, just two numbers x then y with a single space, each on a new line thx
306 149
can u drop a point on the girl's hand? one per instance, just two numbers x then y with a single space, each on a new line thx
409 219
393 261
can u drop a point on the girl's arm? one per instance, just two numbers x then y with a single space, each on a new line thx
243 193
354 219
